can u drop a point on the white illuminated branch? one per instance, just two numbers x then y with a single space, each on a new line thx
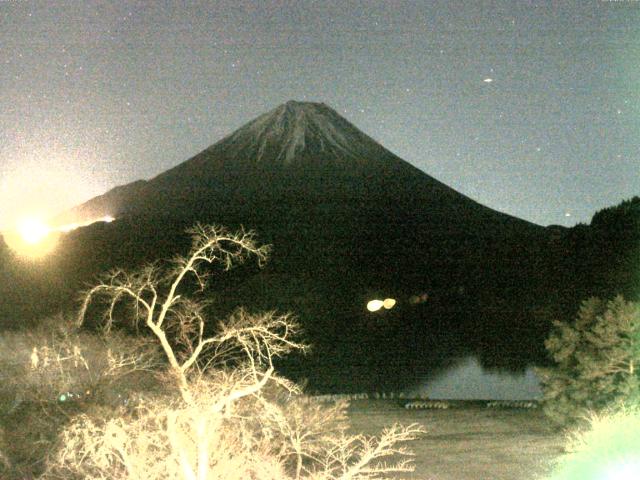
219 420
159 305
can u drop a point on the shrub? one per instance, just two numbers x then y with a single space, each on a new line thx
596 360
54 371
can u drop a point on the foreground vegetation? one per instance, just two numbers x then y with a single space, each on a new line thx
596 361
607 449
189 404
469 441
594 389
154 390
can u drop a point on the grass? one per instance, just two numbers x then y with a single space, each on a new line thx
470 441
465 442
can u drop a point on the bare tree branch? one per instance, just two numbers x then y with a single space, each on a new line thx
222 423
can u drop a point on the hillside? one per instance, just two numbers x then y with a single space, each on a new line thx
349 221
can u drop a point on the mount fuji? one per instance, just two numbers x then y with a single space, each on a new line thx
298 151
349 221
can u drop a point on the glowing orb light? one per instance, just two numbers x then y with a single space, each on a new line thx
31 238
389 303
375 305
33 230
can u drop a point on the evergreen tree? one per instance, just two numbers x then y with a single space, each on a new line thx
597 359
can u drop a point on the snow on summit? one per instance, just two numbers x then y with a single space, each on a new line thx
300 128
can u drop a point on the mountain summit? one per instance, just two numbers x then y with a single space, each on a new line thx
326 195
298 131
296 153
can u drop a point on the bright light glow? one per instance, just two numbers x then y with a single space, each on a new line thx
488 80
608 450
624 471
31 238
44 177
33 230
375 305
72 226
389 303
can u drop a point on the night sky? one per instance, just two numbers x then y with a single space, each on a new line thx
531 108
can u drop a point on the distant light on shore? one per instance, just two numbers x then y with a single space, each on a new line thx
417 299
375 305
389 303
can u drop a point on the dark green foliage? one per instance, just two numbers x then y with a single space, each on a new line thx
597 360
615 249
622 217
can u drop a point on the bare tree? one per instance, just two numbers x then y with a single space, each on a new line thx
233 417
158 303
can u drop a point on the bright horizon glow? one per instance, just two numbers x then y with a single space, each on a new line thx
31 238
33 230
34 238
45 178
72 226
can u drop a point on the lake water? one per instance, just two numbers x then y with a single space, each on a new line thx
467 380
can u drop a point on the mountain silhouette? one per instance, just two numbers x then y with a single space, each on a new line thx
299 151
349 221
312 183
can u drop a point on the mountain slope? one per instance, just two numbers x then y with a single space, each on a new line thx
349 221
297 151
329 198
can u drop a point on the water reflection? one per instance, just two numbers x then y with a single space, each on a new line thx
467 380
